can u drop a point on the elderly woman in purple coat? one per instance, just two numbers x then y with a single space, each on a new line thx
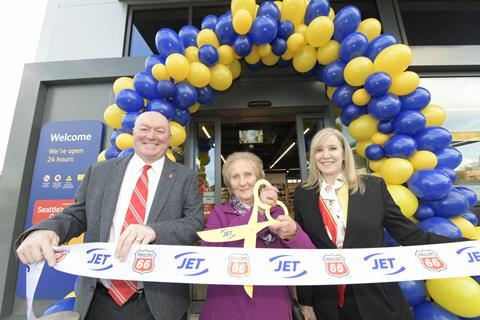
240 173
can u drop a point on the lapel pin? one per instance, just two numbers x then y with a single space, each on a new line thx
170 176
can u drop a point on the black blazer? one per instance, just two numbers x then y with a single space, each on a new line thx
368 214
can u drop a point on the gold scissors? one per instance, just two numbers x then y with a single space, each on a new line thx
247 232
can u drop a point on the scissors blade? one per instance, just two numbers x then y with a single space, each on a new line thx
224 234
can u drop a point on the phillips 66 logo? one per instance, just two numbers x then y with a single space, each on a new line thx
144 261
430 260
239 265
335 265
60 254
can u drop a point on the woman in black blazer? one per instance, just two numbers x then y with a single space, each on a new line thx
370 210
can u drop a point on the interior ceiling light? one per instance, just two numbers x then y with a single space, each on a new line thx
206 132
288 149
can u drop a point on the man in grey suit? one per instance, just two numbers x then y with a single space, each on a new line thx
175 215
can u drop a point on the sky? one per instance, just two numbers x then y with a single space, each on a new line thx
20 26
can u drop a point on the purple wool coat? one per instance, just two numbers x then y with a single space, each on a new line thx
231 302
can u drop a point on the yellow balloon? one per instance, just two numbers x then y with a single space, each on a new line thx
235 69
319 31
466 227
124 141
253 57
198 75
296 41
423 159
404 198
264 50
242 21
331 14
123 83
477 233
329 52
192 54
363 128
404 83
357 71
207 36
113 116
361 97
221 77
393 60
160 72
435 115
279 5
375 165
204 158
371 28
361 147
226 54
301 28
271 60
288 55
460 296
396 170
70 295
177 66
248 5
293 10
330 92
178 134
170 155
194 108
101 156
304 60
380 138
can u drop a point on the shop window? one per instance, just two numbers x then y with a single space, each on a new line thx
368 8
200 12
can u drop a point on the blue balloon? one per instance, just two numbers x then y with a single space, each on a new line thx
333 74
208 55
224 29
209 22
168 42
114 136
270 9
285 63
153 60
353 111
286 29
414 291
129 100
469 193
67 304
448 158
346 21
255 67
389 241
316 8
264 30
378 44
432 311
385 127
470 216
384 107
205 144
433 139
353 45
146 85
424 211
378 83
166 89
345 120
375 152
441 226
279 46
188 34
125 153
205 95
417 100
182 116
112 152
429 184
409 122
449 173
162 106
454 204
242 46
185 95
343 95
128 121
400 146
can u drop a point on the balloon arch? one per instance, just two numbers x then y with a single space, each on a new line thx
390 116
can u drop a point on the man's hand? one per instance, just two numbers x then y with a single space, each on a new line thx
308 312
133 234
37 247
285 229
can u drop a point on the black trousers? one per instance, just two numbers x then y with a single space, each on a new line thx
350 309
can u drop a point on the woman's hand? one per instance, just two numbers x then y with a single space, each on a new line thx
308 312
285 229
269 195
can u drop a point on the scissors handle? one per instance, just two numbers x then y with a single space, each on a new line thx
258 202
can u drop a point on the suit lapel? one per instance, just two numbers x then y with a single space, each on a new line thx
164 188
354 202
111 192
317 220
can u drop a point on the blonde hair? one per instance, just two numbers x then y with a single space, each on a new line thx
233 157
314 179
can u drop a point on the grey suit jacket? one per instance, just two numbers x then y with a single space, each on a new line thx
176 215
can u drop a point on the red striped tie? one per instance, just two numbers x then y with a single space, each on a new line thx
122 290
